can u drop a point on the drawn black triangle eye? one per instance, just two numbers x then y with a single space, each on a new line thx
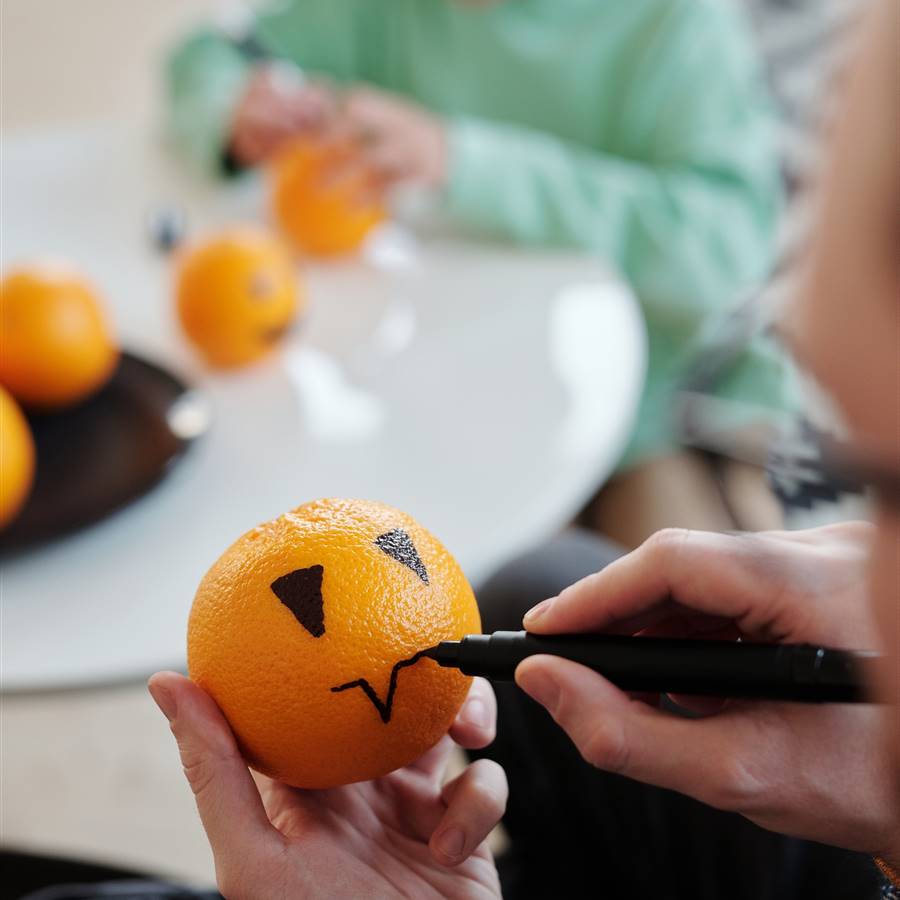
398 545
301 592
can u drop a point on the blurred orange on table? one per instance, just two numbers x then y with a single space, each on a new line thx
55 346
319 217
307 631
16 458
237 294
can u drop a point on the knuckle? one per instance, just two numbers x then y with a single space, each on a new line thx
489 802
490 787
568 712
857 534
737 788
480 692
199 773
606 747
668 543
201 765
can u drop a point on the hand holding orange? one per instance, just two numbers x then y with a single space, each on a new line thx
16 458
57 348
237 294
306 633
322 217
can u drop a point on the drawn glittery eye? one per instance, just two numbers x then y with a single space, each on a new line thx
301 592
399 546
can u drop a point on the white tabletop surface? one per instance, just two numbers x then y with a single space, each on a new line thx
484 389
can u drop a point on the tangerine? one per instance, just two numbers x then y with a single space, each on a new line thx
237 294
16 458
319 218
56 348
306 633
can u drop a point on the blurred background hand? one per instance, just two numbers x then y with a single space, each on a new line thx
278 104
401 835
399 141
785 766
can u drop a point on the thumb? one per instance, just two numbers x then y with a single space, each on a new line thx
228 801
698 757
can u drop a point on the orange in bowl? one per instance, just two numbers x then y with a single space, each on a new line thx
57 348
16 458
306 633
319 218
237 294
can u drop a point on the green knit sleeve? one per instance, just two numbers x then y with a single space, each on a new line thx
683 197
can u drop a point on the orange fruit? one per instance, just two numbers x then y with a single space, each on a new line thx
237 294
297 631
318 218
55 347
16 458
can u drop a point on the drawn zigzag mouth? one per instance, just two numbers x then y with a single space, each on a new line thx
384 708
270 335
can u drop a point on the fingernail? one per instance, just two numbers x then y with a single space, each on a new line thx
475 712
451 842
164 700
541 687
536 612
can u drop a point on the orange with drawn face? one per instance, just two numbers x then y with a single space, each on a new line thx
237 295
305 633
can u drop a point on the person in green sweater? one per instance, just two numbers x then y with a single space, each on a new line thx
638 131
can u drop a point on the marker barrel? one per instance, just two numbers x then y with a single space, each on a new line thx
798 672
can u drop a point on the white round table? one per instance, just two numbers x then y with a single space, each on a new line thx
486 390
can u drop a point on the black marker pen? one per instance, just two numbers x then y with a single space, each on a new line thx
798 672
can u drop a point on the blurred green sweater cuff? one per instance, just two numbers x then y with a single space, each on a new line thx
205 80
474 156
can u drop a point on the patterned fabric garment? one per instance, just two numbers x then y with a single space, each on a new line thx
804 44
890 889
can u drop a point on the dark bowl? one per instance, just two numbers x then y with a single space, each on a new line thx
98 456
